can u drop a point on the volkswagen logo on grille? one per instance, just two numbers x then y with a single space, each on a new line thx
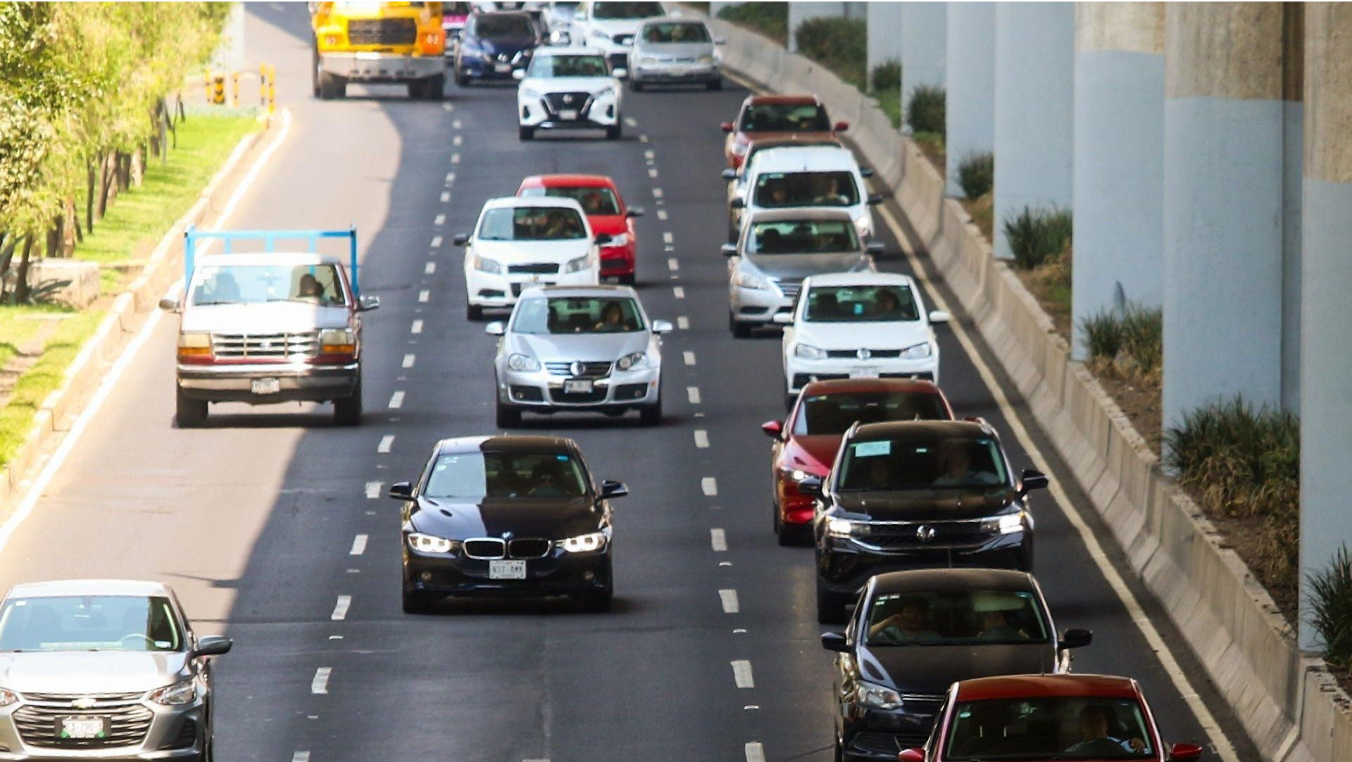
567 99
84 702
924 533
863 354
578 367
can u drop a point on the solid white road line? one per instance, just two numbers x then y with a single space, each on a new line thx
689 357
396 400
741 673
702 439
373 490
755 752
430 268
358 545
436 241
386 442
417 326
340 608
423 296
662 214
678 292
683 323
440 219
409 360
693 393
673 264
730 603
320 683
709 486
718 539
668 238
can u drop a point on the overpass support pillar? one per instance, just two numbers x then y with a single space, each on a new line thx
884 35
970 75
923 44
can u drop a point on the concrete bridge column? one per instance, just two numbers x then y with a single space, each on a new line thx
923 43
1034 85
1326 367
1226 201
884 34
1119 159
970 76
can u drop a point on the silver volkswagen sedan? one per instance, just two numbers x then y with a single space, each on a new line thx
579 348
674 50
103 669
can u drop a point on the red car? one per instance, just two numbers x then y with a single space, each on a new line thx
1032 718
805 444
776 116
605 211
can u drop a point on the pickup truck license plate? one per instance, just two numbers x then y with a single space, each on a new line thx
863 372
81 727
506 569
577 386
266 385
568 114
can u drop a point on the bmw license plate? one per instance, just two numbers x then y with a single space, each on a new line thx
863 372
506 569
266 385
577 386
568 114
82 727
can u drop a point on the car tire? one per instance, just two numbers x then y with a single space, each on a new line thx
740 330
331 86
209 754
789 399
434 88
347 411
460 79
507 416
525 133
417 89
651 415
615 131
473 311
314 70
781 529
715 84
628 280
831 608
635 85
416 602
839 754
598 601
189 413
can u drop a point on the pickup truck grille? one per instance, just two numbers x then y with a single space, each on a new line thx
382 32
264 346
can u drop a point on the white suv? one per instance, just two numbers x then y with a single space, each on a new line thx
799 176
568 88
609 27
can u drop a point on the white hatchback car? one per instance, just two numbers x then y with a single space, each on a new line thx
859 325
521 243
568 88
806 176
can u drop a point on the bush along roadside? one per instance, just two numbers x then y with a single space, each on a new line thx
1127 344
1330 596
1038 235
885 84
925 111
839 44
768 19
975 174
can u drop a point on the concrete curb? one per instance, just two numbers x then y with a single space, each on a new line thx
1290 705
129 312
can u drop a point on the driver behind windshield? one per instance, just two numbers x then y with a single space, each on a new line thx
909 625
1094 729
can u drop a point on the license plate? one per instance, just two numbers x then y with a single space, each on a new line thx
568 114
82 727
577 386
506 569
502 68
863 372
266 385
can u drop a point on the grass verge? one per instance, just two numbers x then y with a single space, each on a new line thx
767 19
16 417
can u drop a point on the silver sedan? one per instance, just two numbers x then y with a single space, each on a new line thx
579 348
674 50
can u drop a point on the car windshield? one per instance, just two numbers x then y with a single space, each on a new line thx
626 10
1042 728
475 476
531 223
777 190
885 465
502 25
455 9
675 31
89 623
257 284
589 314
860 304
784 117
802 237
544 67
832 414
594 200
955 617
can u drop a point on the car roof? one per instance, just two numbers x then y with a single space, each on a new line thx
602 290
800 213
788 100
506 443
479 12
67 587
935 580
568 181
515 202
921 431
862 278
805 159
857 385
791 140
564 50
1037 686
296 258
673 20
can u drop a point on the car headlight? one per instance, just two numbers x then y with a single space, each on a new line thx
584 543
621 239
739 149
1011 523
486 265
527 92
428 543
747 280
194 344
8 697
796 474
577 265
176 694
337 341
630 362
863 225
869 694
598 34
706 60
522 362
846 528
918 351
809 352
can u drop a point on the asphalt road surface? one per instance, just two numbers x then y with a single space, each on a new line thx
263 521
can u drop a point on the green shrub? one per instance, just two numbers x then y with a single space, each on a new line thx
886 77
976 174
1331 609
770 19
925 110
839 44
1133 341
1037 235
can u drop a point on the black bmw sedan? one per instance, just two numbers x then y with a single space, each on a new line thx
917 494
915 633
508 515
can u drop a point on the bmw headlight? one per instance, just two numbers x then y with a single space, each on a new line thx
176 694
918 351
428 543
870 694
1011 523
619 239
485 265
584 543
522 362
863 225
577 265
630 362
809 352
747 280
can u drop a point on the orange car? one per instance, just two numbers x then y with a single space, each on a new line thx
776 116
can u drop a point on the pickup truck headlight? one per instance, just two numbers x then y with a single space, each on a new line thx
337 341
520 362
176 694
747 280
918 351
194 344
577 265
584 543
630 362
428 543
486 265
809 352
869 694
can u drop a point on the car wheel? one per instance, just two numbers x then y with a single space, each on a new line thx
781 532
347 411
314 71
789 399
525 133
651 415
830 607
839 754
331 86
614 131
635 85
715 84
416 602
434 87
417 89
473 311
507 416
628 280
189 413
460 79
598 601
209 755
741 330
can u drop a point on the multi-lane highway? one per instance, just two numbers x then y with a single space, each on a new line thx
270 524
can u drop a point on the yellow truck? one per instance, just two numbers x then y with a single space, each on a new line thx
378 42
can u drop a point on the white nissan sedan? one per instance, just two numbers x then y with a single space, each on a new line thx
568 89
858 325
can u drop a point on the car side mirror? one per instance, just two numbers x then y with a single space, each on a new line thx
729 174
811 486
842 126
835 641
662 326
603 239
912 755
213 645
1032 479
874 199
368 303
518 74
782 318
939 316
613 489
725 126
461 239
1075 638
1184 752
875 248
866 172
728 249
737 203
620 73
169 305
401 491
495 328
773 429
634 211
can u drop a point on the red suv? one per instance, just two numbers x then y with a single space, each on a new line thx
1047 717
805 444
776 116
605 211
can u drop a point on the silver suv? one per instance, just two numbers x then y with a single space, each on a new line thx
103 669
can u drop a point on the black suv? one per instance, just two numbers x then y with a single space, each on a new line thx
917 494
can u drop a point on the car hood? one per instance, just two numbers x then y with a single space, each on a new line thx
90 671
276 317
818 450
591 85
926 504
675 49
798 266
932 669
508 45
552 518
613 27
555 347
880 335
610 224
516 252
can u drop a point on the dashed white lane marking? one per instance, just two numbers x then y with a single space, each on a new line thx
657 193
457 140
440 219
358 545
455 158
450 177
436 241
643 138
430 268
649 154
409 360
320 684
755 752
689 357
683 323
667 237
718 539
709 486
661 214
447 107
386 442
340 608
629 120
456 124
652 172
304 756
396 400
445 197
423 296
741 673
693 393
673 264
730 602
678 292
702 439
373 490
417 326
